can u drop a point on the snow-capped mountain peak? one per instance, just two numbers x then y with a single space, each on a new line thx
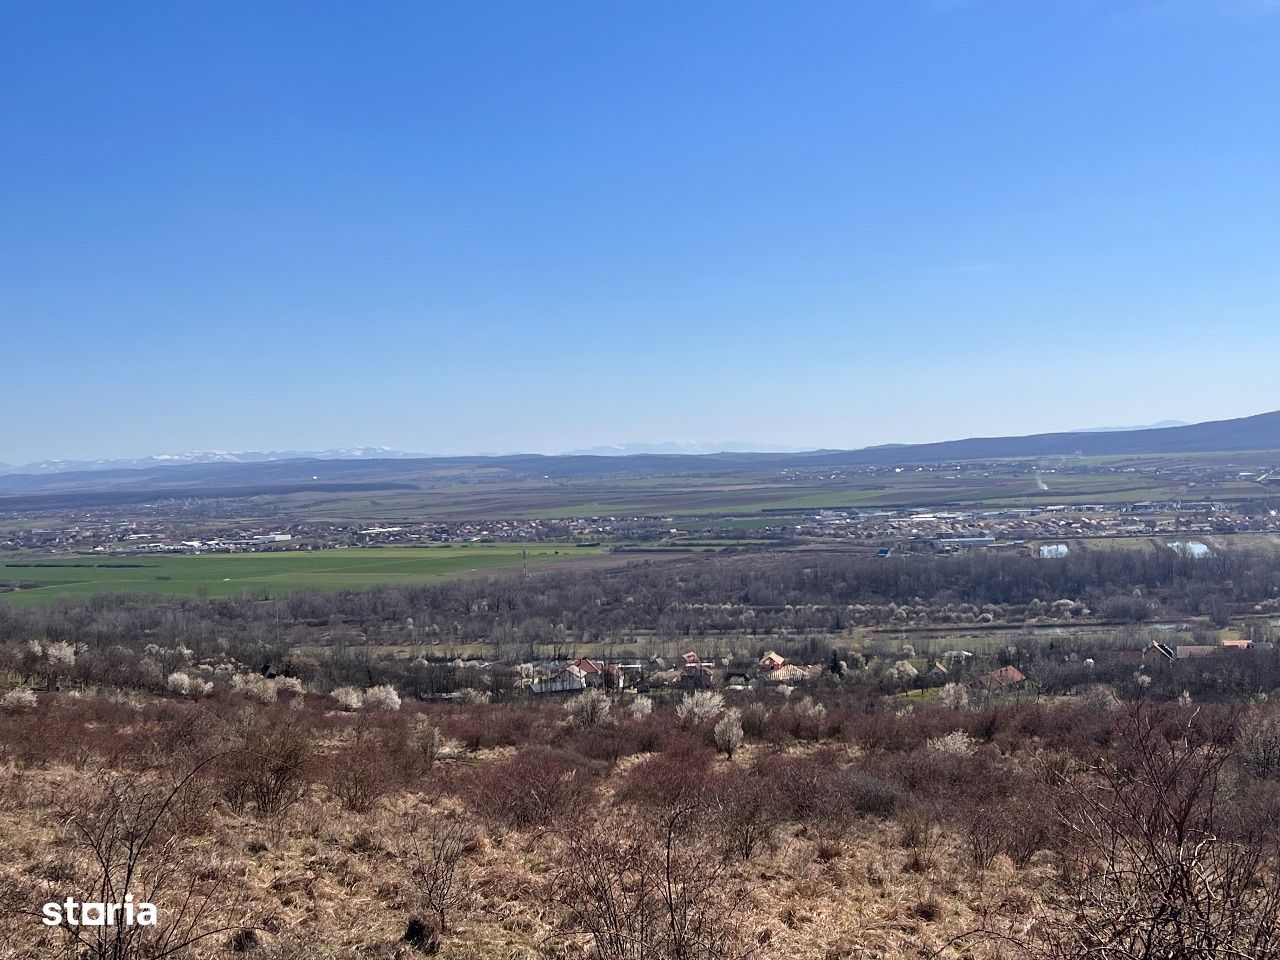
210 456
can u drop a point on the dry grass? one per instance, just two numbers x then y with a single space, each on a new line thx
328 883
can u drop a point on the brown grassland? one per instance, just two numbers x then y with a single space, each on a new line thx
771 828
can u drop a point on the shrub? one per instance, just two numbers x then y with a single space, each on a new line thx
641 707
178 683
123 835
1032 826
755 719
588 710
484 727
255 687
978 776
429 741
865 793
1157 876
984 836
289 687
382 698
610 743
954 744
827 799
1258 744
672 778
534 788
744 810
18 699
268 772
471 696
348 698
921 833
650 892
1100 698
360 773
699 707
807 717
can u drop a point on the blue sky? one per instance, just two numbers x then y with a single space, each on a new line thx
539 226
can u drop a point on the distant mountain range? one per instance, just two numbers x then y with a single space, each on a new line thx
685 447
1148 426
210 456
370 469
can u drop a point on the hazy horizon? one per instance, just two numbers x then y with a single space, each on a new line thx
454 229
705 446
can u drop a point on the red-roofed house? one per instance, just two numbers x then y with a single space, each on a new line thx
596 673
772 661
1005 677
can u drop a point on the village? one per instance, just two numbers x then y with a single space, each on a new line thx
1028 529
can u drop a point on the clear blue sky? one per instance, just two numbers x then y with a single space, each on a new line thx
483 226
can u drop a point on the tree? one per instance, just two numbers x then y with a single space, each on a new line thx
953 696
837 666
61 657
728 732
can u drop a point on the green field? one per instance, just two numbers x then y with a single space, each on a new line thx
265 574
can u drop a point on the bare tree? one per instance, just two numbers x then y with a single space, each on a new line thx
128 843
433 848
1158 871
1155 865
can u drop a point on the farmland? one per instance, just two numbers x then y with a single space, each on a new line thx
751 492
445 490
265 574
